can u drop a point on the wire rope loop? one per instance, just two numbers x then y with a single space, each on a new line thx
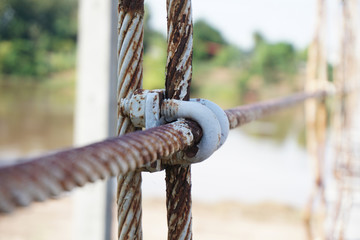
220 115
147 108
210 117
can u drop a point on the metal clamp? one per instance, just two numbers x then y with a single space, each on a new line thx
143 108
220 115
148 109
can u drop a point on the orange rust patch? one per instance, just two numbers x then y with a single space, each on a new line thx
131 6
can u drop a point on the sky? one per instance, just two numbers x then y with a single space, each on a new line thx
278 20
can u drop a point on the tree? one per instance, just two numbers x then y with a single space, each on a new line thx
207 41
273 61
31 30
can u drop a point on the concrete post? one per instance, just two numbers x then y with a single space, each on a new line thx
95 109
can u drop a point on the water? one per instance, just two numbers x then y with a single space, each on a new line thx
248 170
36 118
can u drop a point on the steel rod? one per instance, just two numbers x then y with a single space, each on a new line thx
244 114
130 74
316 121
39 178
346 122
178 79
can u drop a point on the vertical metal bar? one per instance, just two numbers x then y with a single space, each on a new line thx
130 72
336 230
178 78
109 200
92 108
316 120
110 219
346 119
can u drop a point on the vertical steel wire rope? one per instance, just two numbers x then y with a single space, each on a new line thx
130 72
347 142
316 122
340 117
178 79
339 120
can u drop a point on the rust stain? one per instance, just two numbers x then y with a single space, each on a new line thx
129 185
244 114
180 204
178 178
131 6
76 167
178 45
52 174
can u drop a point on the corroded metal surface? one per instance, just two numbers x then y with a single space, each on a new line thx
244 114
178 204
316 125
209 122
147 108
40 178
178 79
346 125
130 71
47 176
180 44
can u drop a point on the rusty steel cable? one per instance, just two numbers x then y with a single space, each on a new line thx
244 114
316 125
130 73
346 123
40 178
177 86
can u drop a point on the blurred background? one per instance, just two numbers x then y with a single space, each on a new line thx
244 51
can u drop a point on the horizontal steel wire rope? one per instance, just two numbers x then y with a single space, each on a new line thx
247 113
39 178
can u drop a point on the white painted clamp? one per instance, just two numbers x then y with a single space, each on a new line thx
146 109
220 115
143 108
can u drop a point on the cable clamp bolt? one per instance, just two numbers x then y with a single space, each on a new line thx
149 109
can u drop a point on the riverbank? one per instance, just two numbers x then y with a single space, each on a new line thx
221 220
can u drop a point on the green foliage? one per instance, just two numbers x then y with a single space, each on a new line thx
273 61
330 72
206 37
243 81
154 63
155 49
37 37
302 55
204 32
228 56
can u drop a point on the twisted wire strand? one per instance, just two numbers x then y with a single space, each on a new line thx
180 49
244 114
178 79
130 72
346 122
316 122
41 178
